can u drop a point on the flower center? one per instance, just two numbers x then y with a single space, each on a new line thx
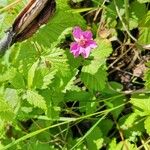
83 42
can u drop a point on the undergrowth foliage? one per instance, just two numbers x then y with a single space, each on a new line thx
50 99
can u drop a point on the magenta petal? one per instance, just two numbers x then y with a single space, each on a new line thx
88 35
86 52
91 44
75 48
77 33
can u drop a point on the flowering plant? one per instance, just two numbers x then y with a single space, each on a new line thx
83 44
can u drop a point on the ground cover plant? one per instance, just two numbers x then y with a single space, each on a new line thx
81 81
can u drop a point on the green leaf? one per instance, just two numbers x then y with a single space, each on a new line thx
58 60
43 75
111 13
94 139
77 95
31 73
6 111
144 36
137 11
144 29
7 75
129 121
71 80
141 105
47 80
95 81
18 81
129 145
36 100
114 146
147 78
145 21
94 74
143 1
56 26
147 125
105 126
25 55
116 102
12 98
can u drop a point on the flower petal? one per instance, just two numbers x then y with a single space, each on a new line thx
77 33
86 52
87 35
91 44
75 49
73 46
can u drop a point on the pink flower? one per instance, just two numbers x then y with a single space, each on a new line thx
83 44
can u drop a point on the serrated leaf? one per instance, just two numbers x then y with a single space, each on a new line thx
77 95
17 81
95 81
12 98
48 79
6 111
57 25
43 74
103 50
24 57
94 74
141 105
36 100
147 125
129 145
31 73
129 121
8 75
137 11
58 60
70 80
114 145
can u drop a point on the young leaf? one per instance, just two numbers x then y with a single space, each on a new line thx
6 111
36 100
31 74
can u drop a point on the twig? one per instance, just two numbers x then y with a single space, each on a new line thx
126 2
121 19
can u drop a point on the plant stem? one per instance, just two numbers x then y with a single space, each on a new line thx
126 2
124 25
